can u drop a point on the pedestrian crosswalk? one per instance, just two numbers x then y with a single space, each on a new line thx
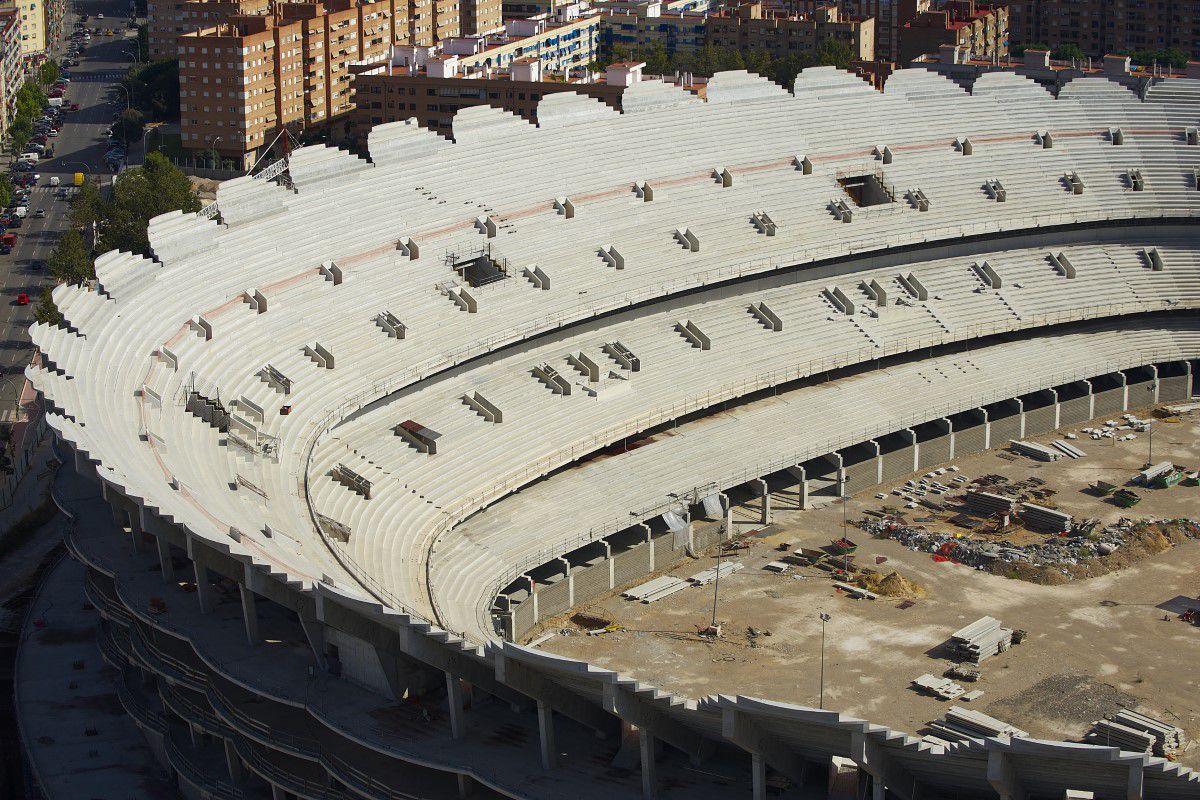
99 76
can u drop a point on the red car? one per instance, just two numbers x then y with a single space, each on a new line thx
74 106
22 299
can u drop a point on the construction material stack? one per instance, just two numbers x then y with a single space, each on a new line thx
981 639
988 503
1138 733
962 724
1035 451
1045 519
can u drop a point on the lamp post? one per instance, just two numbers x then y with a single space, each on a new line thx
824 618
1152 387
146 131
121 86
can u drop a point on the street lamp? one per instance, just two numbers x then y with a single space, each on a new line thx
121 86
146 131
824 618
1151 387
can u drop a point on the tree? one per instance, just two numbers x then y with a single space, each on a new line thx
730 59
87 207
129 125
834 53
144 192
6 191
658 61
154 89
48 73
71 261
1068 52
46 311
1018 50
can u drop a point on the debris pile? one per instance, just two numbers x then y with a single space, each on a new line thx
1120 431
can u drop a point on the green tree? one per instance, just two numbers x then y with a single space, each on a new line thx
658 61
129 125
154 89
1068 52
46 311
87 207
144 192
6 191
1018 50
730 59
71 261
834 53
48 73
705 61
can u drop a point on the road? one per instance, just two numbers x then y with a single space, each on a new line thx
79 147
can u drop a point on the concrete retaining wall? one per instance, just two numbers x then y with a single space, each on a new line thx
969 440
1108 402
1140 395
860 476
523 618
934 451
553 599
665 552
1074 411
897 464
1175 389
632 564
1039 421
591 581
1004 429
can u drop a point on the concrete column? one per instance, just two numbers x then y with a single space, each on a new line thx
204 589
1091 399
192 734
277 793
570 579
765 491
612 565
1154 369
987 429
466 785
758 776
646 531
1134 790
649 767
454 698
546 734
1057 407
726 531
1124 391
950 432
1021 413
232 762
841 474
533 597
878 461
250 614
916 448
81 464
802 489
164 559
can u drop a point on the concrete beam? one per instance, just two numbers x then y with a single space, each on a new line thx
758 776
740 728
1003 777
521 679
649 766
250 614
632 708
204 589
164 559
886 774
232 762
1134 789
546 735
454 699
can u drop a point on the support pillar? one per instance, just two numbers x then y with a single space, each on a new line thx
649 767
570 579
250 614
277 793
533 597
950 432
758 776
546 734
1124 391
1021 416
878 461
612 565
1134 791
765 491
1091 399
204 589
164 559
1155 384
454 698
232 762
726 530
466 785
841 474
1057 408
649 543
916 448
987 429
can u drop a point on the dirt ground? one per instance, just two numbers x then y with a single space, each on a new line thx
1094 644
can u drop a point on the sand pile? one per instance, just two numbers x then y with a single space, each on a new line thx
892 585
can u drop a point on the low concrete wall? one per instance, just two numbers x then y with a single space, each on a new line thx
1074 411
1109 402
861 476
969 440
897 463
633 563
1039 421
935 451
1175 389
553 599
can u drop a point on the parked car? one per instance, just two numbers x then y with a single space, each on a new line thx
39 214
5 249
9 239
74 106
22 299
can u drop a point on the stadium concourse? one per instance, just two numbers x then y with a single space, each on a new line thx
371 417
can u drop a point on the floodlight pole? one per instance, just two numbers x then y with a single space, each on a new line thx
824 618
717 580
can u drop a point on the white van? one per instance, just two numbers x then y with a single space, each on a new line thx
32 158
55 181
21 211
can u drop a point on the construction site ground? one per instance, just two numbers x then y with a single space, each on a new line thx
1094 644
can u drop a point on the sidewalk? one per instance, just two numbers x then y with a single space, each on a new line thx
20 565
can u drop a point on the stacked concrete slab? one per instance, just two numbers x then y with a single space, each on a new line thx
980 640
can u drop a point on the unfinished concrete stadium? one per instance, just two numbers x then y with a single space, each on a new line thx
358 432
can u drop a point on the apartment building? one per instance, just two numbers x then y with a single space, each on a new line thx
433 92
40 22
167 19
752 27
1099 27
638 25
981 29
243 81
420 22
563 43
12 67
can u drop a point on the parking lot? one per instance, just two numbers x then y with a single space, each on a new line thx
78 146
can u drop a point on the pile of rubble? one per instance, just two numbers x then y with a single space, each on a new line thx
1087 541
1119 430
